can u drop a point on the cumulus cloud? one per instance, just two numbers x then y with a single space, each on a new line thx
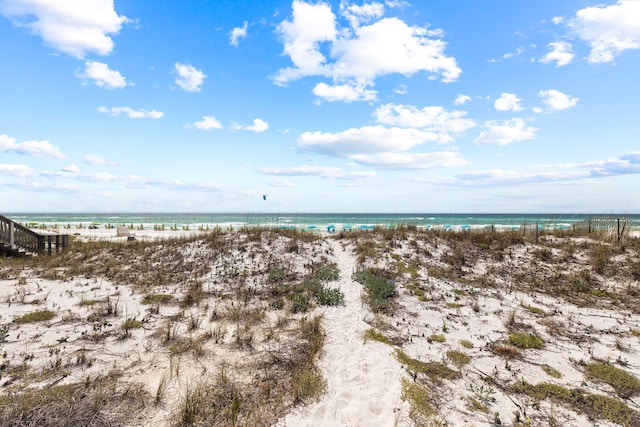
461 99
15 170
238 33
189 78
72 168
345 92
92 159
258 126
131 113
440 159
367 140
322 171
556 100
561 53
506 132
76 27
356 14
508 102
207 123
101 75
627 164
609 30
355 55
30 148
432 118
380 146
282 182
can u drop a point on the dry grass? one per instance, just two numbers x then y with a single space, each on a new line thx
250 295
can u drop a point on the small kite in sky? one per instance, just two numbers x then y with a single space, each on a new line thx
264 196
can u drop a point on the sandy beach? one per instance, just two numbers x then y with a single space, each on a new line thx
284 328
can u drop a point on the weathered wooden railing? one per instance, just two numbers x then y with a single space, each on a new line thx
16 239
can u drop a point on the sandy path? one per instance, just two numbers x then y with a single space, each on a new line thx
363 378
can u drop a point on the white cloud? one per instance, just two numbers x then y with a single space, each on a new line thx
133 114
258 126
102 75
76 27
609 30
356 55
627 164
283 182
441 159
561 53
557 20
508 102
346 92
207 123
519 51
461 99
16 170
432 118
311 25
30 148
238 33
357 14
505 133
92 159
391 46
367 139
189 78
556 100
380 146
73 169
323 171
350 176
401 89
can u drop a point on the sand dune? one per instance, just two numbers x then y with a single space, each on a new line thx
482 329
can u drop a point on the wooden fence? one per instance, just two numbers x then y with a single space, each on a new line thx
18 240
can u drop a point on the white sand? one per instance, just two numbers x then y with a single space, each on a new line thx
363 378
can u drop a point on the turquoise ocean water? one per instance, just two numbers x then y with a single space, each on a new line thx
306 221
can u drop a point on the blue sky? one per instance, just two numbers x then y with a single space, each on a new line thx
325 106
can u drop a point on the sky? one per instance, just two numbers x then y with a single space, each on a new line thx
428 106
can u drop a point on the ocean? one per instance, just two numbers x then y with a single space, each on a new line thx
307 221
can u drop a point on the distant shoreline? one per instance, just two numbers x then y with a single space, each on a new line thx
307 221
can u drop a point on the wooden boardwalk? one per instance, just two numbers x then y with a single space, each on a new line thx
16 240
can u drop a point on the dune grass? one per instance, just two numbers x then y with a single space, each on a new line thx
35 316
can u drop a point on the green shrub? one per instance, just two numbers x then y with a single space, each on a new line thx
526 340
300 302
466 343
323 295
327 273
551 371
436 371
625 384
330 296
437 338
373 335
35 316
277 275
536 310
594 405
458 358
378 288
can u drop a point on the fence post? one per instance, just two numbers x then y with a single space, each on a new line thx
618 229
12 243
